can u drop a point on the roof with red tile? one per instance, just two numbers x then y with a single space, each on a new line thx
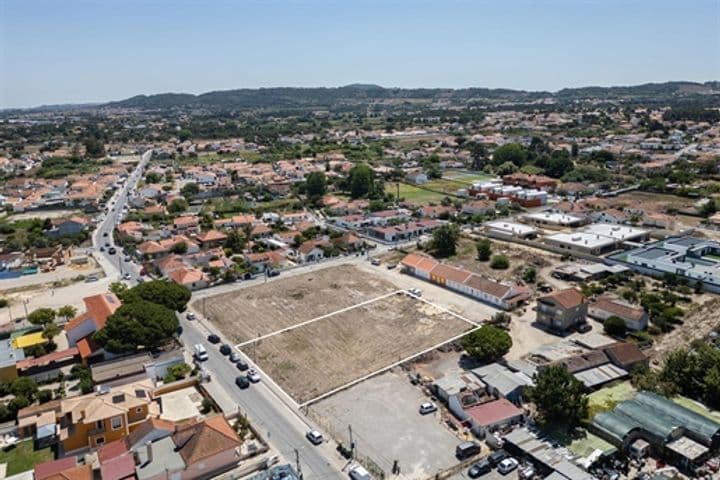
494 412
98 308
568 298
197 441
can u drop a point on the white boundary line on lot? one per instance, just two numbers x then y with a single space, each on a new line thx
316 319
383 369
368 375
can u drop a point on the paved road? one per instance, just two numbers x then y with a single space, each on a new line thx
284 427
115 265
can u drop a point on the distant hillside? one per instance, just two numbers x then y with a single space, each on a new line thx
292 98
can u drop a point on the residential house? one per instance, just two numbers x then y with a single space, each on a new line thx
186 225
69 227
383 217
349 242
211 239
311 250
502 295
634 316
189 277
610 215
478 207
67 468
562 310
261 262
97 310
502 382
418 178
131 231
491 416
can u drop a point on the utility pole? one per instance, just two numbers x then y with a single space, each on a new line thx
397 189
203 303
25 302
352 442
297 464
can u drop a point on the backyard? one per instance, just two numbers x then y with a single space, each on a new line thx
23 457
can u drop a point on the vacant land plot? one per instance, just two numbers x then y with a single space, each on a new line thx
250 312
519 257
321 356
420 444
410 193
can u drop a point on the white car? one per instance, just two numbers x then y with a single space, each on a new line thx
253 376
127 276
415 291
507 465
427 407
315 437
190 316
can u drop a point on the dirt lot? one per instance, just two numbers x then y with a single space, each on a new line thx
519 257
317 358
247 313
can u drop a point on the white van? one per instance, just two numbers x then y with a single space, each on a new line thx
359 473
200 353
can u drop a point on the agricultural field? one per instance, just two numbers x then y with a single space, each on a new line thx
435 190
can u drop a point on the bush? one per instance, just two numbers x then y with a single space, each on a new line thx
484 249
615 326
3 302
44 396
499 262
206 406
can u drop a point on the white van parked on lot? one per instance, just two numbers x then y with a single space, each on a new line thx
200 353
359 473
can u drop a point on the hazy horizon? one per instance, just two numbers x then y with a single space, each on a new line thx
92 51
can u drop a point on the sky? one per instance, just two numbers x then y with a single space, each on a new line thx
77 51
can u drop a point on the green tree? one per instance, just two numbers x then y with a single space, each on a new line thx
178 205
529 275
361 181
44 396
487 344
235 241
179 248
445 239
499 262
153 177
118 288
478 153
558 396
41 316
51 331
315 184
184 135
189 190
163 292
25 387
67 312
512 152
615 326
484 249
94 147
137 323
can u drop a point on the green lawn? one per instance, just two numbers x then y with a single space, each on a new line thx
466 177
697 408
584 446
605 399
414 194
22 457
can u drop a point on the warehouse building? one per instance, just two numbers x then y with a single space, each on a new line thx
681 436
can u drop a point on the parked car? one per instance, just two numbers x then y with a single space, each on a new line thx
496 457
105 234
91 278
415 291
127 276
390 266
212 338
273 273
527 473
467 450
225 349
315 437
584 327
200 353
375 262
253 376
127 259
112 251
235 357
102 249
480 468
242 382
241 365
507 465
359 473
190 316
427 407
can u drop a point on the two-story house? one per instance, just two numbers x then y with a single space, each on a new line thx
562 310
